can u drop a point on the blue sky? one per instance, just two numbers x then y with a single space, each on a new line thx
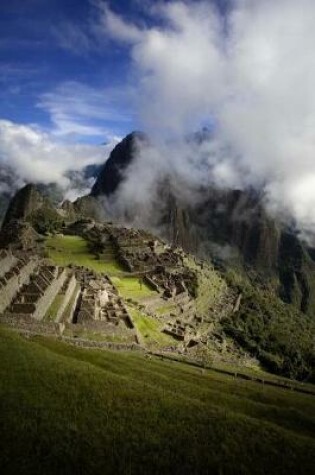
58 69
49 47
75 74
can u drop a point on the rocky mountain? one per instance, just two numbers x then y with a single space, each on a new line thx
232 226
34 209
112 172
79 182
27 200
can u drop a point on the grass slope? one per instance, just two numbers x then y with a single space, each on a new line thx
66 250
276 333
66 410
131 288
150 330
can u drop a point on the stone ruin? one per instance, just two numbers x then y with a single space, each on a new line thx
29 287
139 251
37 294
14 273
99 304
173 283
181 331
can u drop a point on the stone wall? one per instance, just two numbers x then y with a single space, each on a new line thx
13 285
74 305
67 296
153 285
7 260
50 294
27 323
104 328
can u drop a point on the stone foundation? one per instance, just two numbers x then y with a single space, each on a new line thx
13 280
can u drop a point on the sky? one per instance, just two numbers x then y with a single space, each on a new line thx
58 72
76 76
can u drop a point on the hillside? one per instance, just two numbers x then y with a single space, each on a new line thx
101 284
68 410
229 225
122 354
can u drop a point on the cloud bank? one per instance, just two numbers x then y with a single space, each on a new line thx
248 75
35 156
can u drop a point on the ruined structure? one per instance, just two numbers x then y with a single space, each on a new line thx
15 273
77 302
35 297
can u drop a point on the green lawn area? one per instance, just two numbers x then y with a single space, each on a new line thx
65 250
150 329
66 410
70 304
210 286
52 311
166 309
129 287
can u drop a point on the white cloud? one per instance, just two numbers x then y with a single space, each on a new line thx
252 74
78 111
116 27
36 157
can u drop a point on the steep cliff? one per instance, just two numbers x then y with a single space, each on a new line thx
112 172
235 227
26 201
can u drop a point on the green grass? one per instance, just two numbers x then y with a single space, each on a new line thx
69 306
166 309
52 311
129 287
66 410
66 250
150 330
211 286
280 336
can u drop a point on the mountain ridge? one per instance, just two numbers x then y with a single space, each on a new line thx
222 221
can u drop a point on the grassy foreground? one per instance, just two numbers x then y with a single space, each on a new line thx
66 410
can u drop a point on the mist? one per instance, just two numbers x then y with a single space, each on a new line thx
248 76
30 155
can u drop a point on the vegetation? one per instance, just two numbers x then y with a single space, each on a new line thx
166 309
52 311
211 286
68 310
45 220
66 250
133 288
85 333
66 410
150 330
277 334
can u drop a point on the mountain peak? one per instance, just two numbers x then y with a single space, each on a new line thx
26 201
120 158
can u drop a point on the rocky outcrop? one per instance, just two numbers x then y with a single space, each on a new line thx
19 235
112 172
26 201
89 207
234 226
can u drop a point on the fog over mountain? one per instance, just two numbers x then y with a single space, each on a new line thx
248 76
245 71
27 154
